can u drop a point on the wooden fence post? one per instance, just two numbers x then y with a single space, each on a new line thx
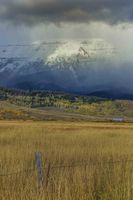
40 171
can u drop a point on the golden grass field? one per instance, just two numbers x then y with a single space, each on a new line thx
88 151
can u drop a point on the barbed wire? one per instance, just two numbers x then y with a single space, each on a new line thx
81 164
73 165
18 172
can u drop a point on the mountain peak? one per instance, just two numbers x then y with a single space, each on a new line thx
72 51
72 66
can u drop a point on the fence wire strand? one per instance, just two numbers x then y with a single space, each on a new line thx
73 165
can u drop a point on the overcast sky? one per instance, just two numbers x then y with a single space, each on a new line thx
26 21
36 20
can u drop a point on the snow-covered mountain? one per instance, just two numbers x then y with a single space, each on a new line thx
74 66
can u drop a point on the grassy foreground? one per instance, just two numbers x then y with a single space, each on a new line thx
87 152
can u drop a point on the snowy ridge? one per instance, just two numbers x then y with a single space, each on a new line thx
92 50
77 66
32 58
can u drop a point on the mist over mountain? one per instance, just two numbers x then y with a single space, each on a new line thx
85 67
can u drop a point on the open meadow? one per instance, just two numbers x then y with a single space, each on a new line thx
81 160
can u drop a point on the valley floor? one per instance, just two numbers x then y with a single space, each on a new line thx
10 111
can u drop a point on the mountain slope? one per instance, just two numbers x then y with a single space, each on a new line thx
74 66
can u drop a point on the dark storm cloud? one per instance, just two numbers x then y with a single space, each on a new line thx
33 12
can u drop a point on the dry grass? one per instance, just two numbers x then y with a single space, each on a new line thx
64 143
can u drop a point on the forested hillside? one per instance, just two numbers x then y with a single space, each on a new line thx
92 106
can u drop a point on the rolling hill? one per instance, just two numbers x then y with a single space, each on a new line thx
47 105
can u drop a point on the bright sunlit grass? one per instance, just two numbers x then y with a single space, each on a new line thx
71 145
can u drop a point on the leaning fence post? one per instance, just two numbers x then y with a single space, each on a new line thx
47 174
40 171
